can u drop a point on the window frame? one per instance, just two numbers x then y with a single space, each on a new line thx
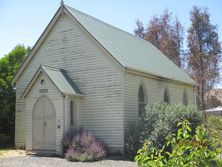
71 113
141 103
166 96
185 98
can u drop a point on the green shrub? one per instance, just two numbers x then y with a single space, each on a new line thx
198 150
157 122
215 122
4 140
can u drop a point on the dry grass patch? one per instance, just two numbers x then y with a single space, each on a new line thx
11 153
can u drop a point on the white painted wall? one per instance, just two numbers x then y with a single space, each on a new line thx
99 77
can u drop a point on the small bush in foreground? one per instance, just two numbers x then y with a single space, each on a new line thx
157 122
81 145
198 150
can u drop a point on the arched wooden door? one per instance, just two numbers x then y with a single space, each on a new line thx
44 125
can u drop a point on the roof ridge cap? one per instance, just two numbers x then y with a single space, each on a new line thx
51 68
107 24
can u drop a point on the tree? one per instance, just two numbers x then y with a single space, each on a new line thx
212 102
140 30
8 66
166 34
204 53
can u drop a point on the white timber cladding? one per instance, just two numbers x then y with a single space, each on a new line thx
99 77
56 98
154 91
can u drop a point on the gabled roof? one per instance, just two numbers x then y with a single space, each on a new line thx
130 51
59 77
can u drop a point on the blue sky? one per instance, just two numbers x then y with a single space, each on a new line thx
23 21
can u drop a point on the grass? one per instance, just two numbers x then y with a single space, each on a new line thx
4 151
215 123
8 152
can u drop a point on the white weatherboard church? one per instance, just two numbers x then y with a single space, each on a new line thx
83 72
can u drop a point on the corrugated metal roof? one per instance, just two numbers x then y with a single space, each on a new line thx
59 77
219 108
130 51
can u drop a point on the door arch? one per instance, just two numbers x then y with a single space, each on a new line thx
43 125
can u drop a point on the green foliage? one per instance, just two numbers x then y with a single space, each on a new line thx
4 140
215 122
157 122
8 66
200 149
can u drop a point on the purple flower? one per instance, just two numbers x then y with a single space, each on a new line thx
81 145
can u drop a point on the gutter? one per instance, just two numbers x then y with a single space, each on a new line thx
154 76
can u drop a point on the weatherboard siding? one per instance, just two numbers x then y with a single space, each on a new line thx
99 77
154 90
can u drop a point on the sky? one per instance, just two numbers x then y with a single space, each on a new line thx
23 21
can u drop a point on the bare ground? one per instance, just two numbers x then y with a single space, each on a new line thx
38 161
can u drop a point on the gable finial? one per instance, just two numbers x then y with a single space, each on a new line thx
62 6
62 3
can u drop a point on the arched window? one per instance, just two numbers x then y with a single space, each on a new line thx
166 98
141 100
185 98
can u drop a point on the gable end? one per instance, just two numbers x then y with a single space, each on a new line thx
36 46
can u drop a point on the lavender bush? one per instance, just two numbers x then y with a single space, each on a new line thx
81 145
